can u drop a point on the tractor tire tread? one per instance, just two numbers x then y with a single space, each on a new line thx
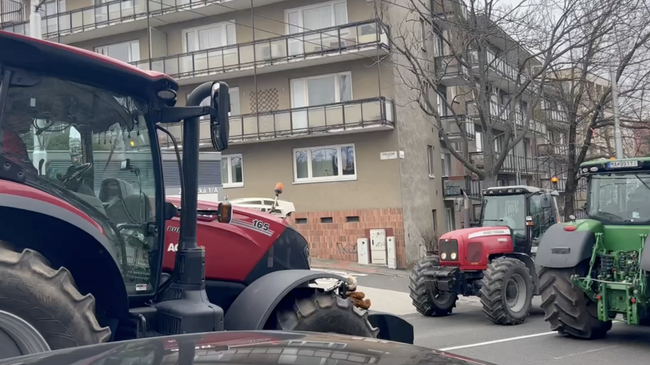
567 308
326 312
48 299
420 275
494 283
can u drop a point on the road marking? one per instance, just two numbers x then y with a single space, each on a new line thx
498 341
585 352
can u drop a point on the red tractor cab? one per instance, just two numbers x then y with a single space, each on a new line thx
493 261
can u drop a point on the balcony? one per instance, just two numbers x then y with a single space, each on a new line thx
557 150
346 117
502 117
117 17
11 12
512 163
556 119
455 133
341 43
454 186
447 13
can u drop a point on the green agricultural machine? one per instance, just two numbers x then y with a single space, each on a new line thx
596 270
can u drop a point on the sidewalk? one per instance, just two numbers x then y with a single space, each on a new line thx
325 264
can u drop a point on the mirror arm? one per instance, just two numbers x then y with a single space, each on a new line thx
178 113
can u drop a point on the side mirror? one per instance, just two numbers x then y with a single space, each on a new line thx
170 211
125 165
546 202
279 188
219 122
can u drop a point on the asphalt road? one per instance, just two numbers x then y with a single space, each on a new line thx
467 332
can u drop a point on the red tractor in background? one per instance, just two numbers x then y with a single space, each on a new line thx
493 261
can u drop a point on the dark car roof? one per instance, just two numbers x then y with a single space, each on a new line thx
80 65
249 347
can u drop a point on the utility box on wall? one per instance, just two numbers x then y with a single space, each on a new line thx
391 250
362 251
378 246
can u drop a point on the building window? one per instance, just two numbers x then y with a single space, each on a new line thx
430 161
446 164
232 171
49 8
325 163
209 36
320 90
479 142
234 102
125 51
319 16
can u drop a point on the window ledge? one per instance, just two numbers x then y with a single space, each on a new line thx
233 185
325 180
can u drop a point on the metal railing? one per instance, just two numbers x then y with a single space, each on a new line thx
503 116
282 49
328 118
108 13
468 126
11 12
511 164
453 186
548 149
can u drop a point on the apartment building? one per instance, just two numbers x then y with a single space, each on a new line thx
311 105
503 60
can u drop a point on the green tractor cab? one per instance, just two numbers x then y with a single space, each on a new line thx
596 269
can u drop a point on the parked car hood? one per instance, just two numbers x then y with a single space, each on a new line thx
247 347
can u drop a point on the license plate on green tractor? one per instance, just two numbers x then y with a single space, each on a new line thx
622 164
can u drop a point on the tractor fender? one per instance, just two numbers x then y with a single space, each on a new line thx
645 255
253 307
392 327
530 264
559 249
67 239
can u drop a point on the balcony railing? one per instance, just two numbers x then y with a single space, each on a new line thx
11 11
107 13
454 186
534 125
330 118
556 149
467 123
511 164
344 38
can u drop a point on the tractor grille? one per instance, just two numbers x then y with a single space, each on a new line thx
474 252
447 248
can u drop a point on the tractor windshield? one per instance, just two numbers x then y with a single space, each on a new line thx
505 210
89 147
620 198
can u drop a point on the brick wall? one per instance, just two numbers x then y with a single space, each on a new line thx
333 235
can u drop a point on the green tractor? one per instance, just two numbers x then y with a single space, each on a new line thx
596 269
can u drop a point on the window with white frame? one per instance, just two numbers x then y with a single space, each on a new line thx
125 51
430 161
320 90
209 36
479 141
446 164
325 163
318 16
232 171
234 102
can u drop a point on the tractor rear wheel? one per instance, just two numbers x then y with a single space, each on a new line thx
431 303
506 291
567 308
45 303
322 312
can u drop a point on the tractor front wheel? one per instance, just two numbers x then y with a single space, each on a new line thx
506 291
567 308
426 299
40 303
324 312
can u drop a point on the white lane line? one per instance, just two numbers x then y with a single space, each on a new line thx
585 352
498 341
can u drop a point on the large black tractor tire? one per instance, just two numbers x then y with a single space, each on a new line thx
430 303
506 291
48 301
323 312
567 308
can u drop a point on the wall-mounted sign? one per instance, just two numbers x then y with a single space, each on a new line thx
390 155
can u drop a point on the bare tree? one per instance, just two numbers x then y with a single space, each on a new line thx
580 87
472 40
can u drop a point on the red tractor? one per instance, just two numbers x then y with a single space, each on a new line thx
493 261
87 265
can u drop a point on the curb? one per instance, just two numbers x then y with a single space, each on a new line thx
356 268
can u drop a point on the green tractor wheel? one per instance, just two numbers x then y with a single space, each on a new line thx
431 303
567 308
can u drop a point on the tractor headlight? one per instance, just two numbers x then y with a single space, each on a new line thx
453 256
443 255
